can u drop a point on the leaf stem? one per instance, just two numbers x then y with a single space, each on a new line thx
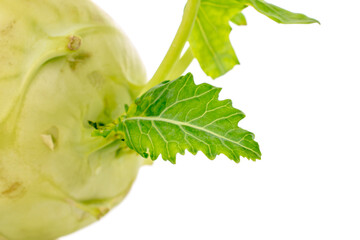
174 52
181 65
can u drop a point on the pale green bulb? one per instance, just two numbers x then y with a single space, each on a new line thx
62 63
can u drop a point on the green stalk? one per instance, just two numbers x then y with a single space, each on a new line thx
181 65
174 52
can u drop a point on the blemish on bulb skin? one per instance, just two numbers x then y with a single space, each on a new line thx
14 190
8 28
76 58
74 43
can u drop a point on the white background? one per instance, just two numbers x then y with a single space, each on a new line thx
298 85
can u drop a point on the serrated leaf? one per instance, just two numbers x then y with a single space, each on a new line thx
209 39
179 115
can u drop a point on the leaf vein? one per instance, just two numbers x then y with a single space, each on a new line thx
222 118
210 48
184 100
180 124
162 136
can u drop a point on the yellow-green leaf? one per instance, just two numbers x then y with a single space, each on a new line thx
209 39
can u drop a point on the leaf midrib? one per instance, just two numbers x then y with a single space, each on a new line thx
217 60
174 122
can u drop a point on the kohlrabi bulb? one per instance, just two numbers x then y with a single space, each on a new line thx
62 63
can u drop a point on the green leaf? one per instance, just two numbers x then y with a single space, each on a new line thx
239 19
280 15
209 39
178 115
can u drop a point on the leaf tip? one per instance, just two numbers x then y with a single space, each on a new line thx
172 160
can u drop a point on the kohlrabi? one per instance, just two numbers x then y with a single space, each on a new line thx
77 118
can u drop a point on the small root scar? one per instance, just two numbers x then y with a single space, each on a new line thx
74 43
